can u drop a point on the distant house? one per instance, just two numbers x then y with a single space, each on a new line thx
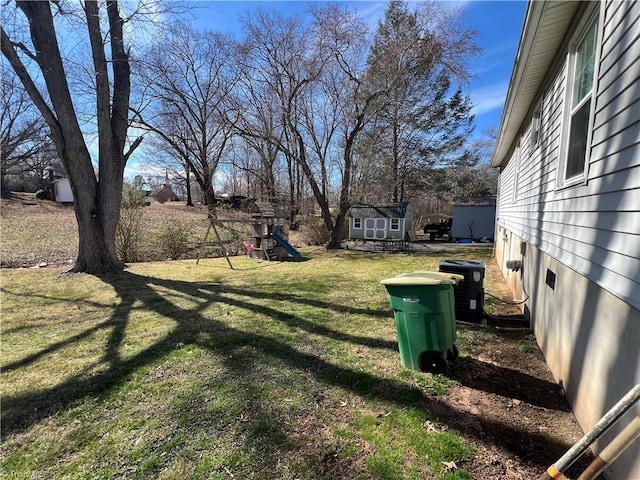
568 150
380 222
165 194
62 190
473 217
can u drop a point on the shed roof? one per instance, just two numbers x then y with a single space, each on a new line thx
474 201
390 210
266 209
544 31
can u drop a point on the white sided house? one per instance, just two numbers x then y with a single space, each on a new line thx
568 150
380 222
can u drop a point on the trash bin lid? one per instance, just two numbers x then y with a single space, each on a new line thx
423 278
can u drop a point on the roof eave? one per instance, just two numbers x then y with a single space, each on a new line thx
543 33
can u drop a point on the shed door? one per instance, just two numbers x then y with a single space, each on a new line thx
375 228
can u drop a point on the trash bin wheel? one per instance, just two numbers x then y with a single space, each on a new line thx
453 353
433 362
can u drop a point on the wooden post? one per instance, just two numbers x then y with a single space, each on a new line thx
224 250
204 242
215 230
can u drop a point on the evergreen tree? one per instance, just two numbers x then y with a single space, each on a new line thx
418 57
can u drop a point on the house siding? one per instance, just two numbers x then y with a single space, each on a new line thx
592 228
588 327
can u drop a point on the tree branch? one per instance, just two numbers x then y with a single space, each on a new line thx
136 143
25 50
121 75
11 55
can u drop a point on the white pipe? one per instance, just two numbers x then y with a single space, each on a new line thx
556 470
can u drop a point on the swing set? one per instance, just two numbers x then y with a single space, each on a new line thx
268 237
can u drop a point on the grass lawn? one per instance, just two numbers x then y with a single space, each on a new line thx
177 370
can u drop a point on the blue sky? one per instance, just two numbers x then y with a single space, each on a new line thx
498 23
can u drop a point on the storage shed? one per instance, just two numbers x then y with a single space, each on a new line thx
473 217
380 222
62 190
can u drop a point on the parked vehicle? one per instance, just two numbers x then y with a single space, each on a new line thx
440 229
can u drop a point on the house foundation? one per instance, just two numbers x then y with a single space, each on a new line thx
589 337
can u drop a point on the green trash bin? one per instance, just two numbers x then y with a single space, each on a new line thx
424 313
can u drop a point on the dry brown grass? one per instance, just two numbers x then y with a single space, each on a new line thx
34 232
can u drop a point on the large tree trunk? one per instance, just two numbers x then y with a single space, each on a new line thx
335 237
96 249
97 209
96 201
209 194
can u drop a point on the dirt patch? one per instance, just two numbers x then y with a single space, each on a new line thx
508 405
506 401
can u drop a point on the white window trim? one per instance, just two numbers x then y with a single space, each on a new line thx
588 18
536 127
391 224
357 220
516 173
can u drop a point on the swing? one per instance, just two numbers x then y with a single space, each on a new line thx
212 226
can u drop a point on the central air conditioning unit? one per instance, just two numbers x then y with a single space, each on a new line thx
468 293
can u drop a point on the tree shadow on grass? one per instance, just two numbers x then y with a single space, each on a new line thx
193 326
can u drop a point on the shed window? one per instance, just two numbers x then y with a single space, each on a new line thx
395 224
357 222
579 97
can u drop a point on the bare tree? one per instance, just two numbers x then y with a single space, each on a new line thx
96 198
278 65
345 36
191 75
312 70
477 178
25 147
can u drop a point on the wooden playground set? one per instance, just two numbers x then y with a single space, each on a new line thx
269 235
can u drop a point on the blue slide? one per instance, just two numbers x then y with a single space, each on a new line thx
284 244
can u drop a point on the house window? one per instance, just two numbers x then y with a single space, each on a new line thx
395 224
516 174
582 66
357 223
535 128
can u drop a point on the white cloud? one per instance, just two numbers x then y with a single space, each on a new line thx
372 12
498 58
488 98
136 167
